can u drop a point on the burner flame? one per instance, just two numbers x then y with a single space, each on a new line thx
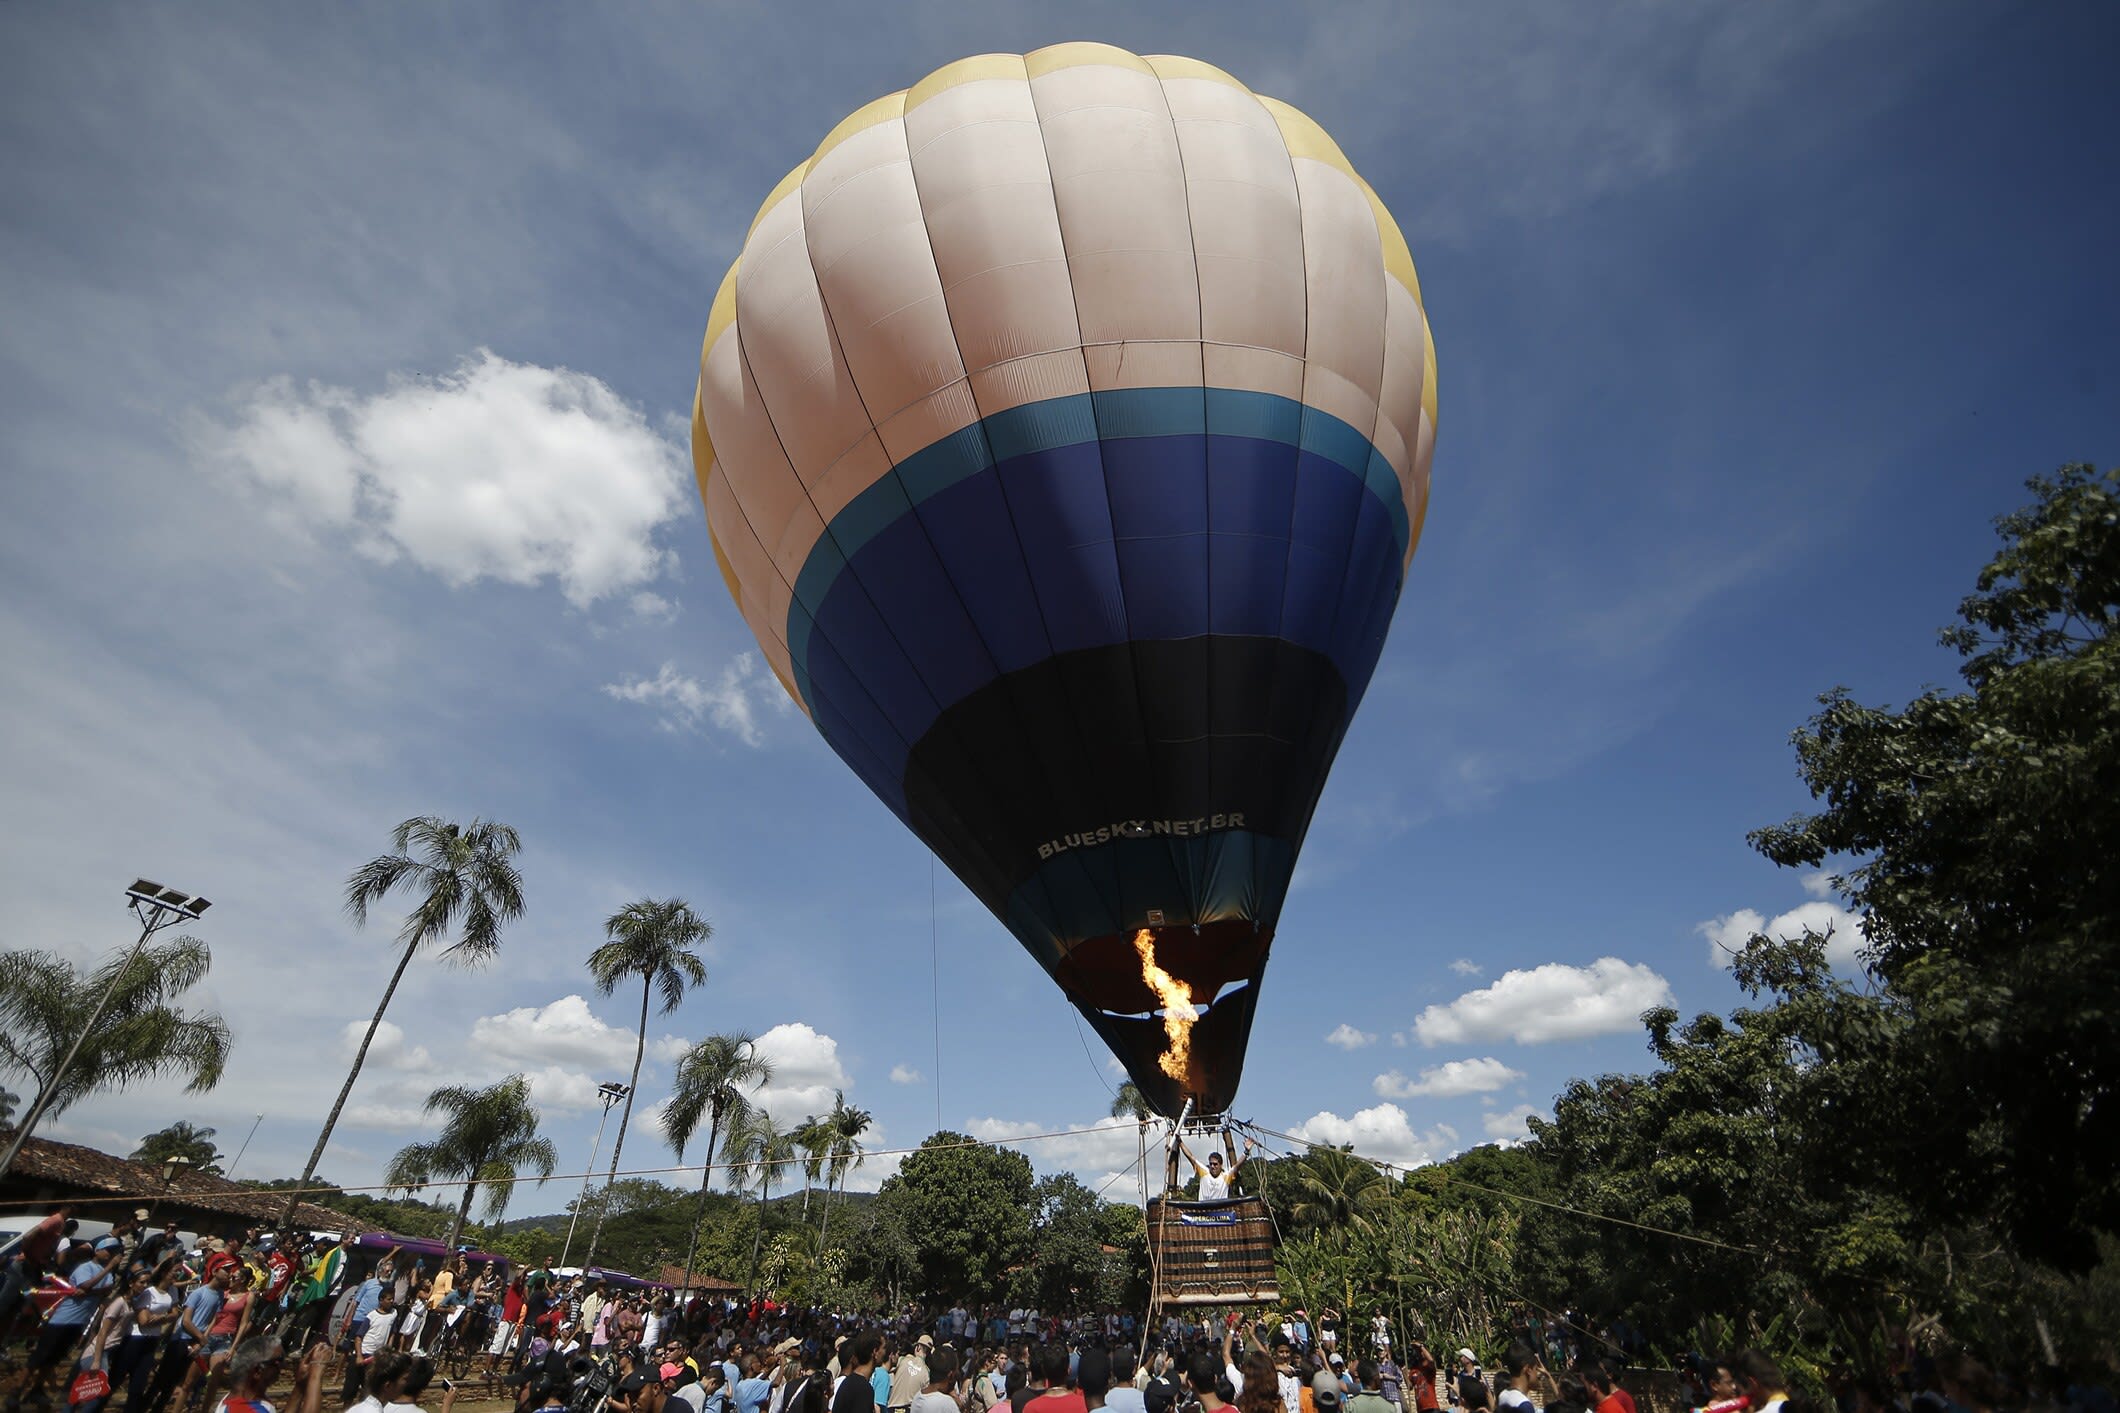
1179 1013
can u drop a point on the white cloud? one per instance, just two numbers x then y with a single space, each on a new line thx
494 470
388 1051
1094 1149
806 1071
1551 1002
1399 1038
653 606
403 1118
904 1074
1465 966
735 701
1448 1080
1507 1126
1382 1132
1823 915
562 1031
556 1087
1346 1037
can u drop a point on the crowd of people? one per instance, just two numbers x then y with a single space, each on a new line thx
132 1322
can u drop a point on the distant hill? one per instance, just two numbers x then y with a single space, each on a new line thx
557 1221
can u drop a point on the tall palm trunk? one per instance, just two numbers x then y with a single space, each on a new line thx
456 1227
706 1183
824 1227
765 1195
360 1057
640 1046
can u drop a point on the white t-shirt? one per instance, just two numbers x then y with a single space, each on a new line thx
152 1301
375 1337
1214 1187
370 1404
934 1403
1515 1398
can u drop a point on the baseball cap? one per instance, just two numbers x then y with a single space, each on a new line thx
1326 1398
924 1342
1336 1358
671 1371
1468 1354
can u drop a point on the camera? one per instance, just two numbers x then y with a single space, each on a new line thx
591 1382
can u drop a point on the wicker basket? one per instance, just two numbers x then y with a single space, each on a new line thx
1212 1253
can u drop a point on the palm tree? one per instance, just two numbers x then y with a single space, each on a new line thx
758 1149
653 940
182 1139
712 1080
848 1124
143 1034
466 882
1337 1190
491 1133
813 1139
1131 1103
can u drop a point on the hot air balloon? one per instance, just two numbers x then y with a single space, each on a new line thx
1064 430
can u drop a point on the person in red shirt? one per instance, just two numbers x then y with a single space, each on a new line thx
279 1272
1420 1377
1611 1398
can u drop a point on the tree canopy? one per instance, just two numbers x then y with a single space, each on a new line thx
966 1209
489 1137
182 1139
143 1034
1977 831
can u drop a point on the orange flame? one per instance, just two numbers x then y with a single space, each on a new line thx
1179 1013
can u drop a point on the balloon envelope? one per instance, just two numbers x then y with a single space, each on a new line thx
1064 431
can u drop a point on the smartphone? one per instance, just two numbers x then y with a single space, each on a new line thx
448 1385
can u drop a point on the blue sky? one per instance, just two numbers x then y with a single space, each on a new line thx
1749 320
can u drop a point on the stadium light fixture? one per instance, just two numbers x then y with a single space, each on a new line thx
156 907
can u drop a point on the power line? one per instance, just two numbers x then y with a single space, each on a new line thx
1538 1201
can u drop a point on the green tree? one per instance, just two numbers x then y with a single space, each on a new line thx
1756 1139
185 1140
1337 1191
1977 831
813 1140
1067 1244
966 1208
490 1135
712 1079
1123 1277
760 1150
882 1254
653 940
465 880
647 1224
1128 1102
846 1152
144 1033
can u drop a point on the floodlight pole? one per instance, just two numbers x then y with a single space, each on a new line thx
610 1094
156 907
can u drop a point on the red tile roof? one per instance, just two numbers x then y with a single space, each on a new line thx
55 1172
